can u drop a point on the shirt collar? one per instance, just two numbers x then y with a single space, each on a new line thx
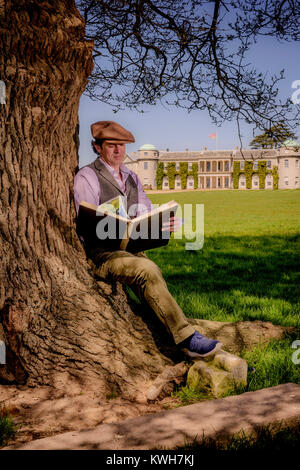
123 168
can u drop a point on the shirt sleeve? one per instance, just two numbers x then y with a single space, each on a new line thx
86 187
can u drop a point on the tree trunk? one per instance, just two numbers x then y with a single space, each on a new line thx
61 327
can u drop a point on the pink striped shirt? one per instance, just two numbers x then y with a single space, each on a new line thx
87 186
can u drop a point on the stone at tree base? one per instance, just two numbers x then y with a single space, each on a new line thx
237 367
166 378
217 374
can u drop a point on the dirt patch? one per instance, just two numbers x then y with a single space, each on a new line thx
42 411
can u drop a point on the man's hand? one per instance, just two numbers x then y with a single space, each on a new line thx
173 224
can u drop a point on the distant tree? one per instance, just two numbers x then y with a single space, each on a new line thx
191 53
273 137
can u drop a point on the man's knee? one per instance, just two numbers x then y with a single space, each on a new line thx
130 270
148 271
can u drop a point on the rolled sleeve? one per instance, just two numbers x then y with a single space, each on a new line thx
86 187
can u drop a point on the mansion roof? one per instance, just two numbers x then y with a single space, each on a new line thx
235 154
217 154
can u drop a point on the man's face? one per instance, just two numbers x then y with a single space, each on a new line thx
113 154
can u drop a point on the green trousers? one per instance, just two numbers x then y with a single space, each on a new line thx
146 280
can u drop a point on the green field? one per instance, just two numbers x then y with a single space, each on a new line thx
248 269
249 266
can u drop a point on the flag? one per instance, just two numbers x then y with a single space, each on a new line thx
213 136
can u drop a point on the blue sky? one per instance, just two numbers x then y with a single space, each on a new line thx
177 129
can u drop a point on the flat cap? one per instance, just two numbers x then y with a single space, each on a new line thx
112 132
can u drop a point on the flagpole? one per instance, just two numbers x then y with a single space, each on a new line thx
216 141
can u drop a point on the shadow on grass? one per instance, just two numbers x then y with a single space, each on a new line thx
236 273
279 437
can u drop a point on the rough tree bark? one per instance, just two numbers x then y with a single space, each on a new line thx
61 327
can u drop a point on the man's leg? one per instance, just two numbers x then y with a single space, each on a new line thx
146 278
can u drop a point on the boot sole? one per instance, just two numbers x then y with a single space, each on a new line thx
213 351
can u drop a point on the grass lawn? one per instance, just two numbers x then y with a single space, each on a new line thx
249 266
248 269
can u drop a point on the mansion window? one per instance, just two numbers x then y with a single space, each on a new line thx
226 182
145 165
286 163
145 153
208 182
207 166
178 183
242 183
297 163
242 165
177 166
286 181
255 166
269 182
269 164
166 183
190 166
255 183
226 166
191 183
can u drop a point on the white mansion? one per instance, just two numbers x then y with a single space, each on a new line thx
218 169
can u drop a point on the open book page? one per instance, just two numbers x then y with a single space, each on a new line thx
95 209
145 232
162 208
116 206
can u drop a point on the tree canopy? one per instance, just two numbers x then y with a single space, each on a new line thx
191 53
273 137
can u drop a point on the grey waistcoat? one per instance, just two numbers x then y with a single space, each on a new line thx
109 187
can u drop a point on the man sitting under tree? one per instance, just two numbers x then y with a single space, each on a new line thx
107 177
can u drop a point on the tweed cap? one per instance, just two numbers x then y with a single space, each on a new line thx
112 132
